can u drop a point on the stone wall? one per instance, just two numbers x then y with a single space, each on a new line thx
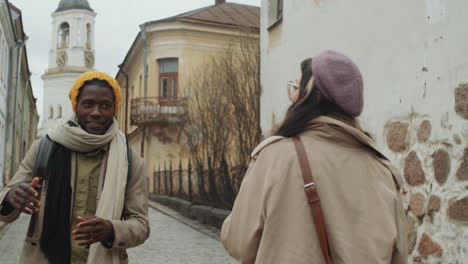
433 157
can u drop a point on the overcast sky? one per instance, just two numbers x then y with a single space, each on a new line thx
117 25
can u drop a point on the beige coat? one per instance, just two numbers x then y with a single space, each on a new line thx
130 232
271 220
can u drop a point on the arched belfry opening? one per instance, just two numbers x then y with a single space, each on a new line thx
63 37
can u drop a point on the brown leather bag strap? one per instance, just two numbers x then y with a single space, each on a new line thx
313 199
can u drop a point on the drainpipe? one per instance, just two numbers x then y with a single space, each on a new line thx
126 98
145 58
26 85
145 82
20 46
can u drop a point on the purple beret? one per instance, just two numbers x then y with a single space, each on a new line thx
339 80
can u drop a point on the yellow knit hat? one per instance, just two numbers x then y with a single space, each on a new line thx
89 76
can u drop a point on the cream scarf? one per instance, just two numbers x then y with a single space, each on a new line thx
112 198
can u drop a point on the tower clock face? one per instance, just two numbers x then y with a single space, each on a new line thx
89 59
62 58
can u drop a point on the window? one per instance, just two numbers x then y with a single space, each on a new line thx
168 72
51 112
63 36
174 85
59 111
88 36
275 12
164 87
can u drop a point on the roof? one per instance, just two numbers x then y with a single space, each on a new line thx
73 4
228 14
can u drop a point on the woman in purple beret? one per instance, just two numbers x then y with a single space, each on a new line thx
320 190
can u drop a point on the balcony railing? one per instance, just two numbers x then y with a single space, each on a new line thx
152 110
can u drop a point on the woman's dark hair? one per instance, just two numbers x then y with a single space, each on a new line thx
306 109
101 83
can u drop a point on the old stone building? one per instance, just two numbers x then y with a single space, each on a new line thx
7 41
414 60
156 71
21 112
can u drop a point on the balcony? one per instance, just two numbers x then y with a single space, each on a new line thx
154 110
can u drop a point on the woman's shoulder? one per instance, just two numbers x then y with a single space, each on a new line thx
274 147
264 144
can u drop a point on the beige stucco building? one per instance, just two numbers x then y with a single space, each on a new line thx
414 60
155 76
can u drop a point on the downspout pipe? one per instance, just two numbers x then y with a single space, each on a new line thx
145 81
20 46
145 58
126 97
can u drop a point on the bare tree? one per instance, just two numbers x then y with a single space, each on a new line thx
223 116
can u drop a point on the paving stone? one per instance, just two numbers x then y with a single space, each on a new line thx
12 239
170 242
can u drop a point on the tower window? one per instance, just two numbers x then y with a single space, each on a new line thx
88 36
63 36
59 111
51 112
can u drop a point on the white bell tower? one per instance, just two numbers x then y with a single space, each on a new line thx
71 54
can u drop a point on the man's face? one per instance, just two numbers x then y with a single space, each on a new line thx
95 109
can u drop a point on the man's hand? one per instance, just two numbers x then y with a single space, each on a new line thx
24 197
93 229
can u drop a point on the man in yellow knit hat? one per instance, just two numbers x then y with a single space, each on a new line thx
84 187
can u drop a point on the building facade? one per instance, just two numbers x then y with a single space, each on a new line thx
156 72
414 61
7 42
21 112
71 54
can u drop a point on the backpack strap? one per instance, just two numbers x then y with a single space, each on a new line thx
40 167
313 200
43 154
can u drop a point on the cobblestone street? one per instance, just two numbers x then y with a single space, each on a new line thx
170 242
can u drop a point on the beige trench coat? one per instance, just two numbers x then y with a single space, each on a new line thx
130 232
365 220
